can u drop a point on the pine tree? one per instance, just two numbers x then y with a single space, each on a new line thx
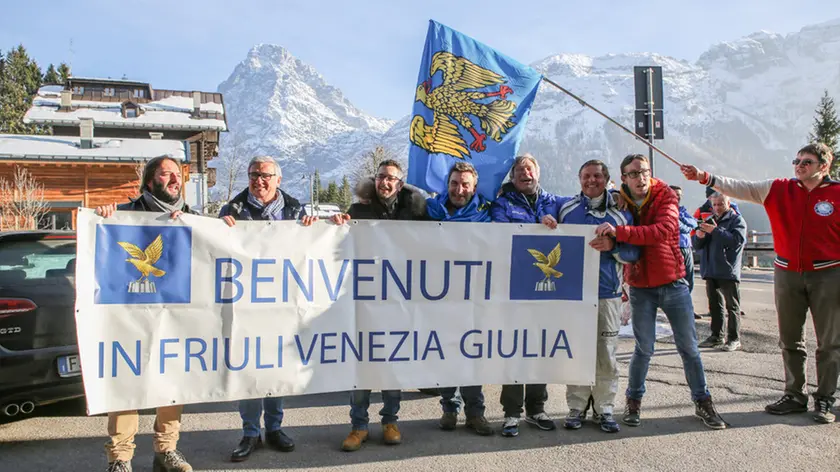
51 77
63 72
317 192
19 82
346 194
826 130
333 195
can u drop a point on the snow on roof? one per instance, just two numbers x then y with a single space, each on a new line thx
68 148
173 112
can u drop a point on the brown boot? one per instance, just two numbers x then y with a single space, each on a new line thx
391 434
354 440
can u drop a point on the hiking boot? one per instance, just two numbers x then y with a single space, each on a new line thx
480 425
542 421
119 466
608 423
391 434
731 346
511 427
632 412
573 420
354 440
822 411
448 421
786 405
705 410
170 461
712 341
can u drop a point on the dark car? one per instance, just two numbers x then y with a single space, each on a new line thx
39 356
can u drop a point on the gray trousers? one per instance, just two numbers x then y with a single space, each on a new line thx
724 307
795 293
606 366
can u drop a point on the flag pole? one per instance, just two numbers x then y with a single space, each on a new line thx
583 102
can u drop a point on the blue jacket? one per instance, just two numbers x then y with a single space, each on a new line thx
687 225
723 249
575 210
512 206
477 210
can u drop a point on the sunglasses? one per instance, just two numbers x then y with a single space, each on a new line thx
804 162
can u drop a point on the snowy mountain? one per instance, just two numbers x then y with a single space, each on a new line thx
744 108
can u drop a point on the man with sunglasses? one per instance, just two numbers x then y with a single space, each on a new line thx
805 220
384 197
263 201
657 280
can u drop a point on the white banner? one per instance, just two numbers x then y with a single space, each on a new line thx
190 311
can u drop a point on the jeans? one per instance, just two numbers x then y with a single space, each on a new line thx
251 410
471 397
724 292
675 301
360 402
535 398
796 293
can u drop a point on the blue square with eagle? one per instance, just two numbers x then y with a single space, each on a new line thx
142 264
546 268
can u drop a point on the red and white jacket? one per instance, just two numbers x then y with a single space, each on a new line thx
805 225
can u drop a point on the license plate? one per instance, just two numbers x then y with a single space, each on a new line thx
69 366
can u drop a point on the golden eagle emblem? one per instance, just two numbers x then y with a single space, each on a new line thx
144 262
547 264
453 104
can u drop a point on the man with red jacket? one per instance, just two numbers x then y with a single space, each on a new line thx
805 221
657 280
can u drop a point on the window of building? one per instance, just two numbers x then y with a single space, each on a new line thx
130 112
78 90
109 92
139 93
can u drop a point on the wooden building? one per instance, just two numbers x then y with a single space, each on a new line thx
103 130
76 175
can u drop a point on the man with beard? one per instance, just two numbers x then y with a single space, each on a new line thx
593 206
160 191
387 198
523 201
263 200
805 220
657 280
461 203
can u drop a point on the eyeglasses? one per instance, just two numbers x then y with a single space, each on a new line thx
804 162
387 178
260 175
634 174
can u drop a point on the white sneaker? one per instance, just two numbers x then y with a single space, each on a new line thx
541 421
511 427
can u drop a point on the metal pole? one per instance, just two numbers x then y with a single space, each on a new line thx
311 194
627 130
753 239
651 132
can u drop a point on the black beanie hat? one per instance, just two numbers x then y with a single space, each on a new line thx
709 191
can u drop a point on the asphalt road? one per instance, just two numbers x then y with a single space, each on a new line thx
62 438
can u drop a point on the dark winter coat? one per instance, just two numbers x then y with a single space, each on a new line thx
410 204
140 205
723 248
240 209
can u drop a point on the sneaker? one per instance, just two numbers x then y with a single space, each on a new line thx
119 466
573 420
391 434
731 346
786 405
542 421
170 461
480 425
822 411
608 423
511 427
705 410
712 341
354 440
448 421
632 412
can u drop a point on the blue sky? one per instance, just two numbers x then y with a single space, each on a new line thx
369 48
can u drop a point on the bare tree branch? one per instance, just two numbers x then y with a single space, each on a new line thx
22 203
